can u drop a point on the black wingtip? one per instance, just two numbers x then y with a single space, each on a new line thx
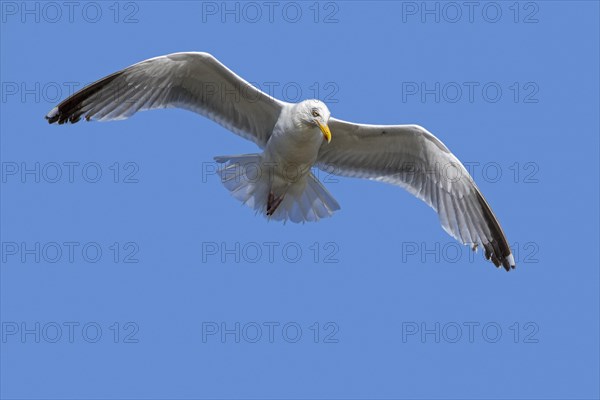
71 109
497 249
494 253
51 119
53 116
58 116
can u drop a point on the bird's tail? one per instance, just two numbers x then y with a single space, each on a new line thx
249 182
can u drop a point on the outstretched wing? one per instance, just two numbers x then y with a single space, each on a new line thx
193 81
411 157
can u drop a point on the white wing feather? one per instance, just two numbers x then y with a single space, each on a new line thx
193 81
413 158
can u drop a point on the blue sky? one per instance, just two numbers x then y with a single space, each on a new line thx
128 271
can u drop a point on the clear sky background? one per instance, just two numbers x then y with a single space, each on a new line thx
150 281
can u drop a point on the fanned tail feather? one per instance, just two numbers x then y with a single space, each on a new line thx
305 200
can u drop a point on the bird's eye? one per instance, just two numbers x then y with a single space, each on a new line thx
315 113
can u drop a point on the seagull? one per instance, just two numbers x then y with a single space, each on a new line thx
294 137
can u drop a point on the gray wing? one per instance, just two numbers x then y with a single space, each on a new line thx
193 81
411 157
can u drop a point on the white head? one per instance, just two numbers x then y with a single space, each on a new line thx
314 113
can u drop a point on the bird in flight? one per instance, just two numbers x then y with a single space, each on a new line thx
294 137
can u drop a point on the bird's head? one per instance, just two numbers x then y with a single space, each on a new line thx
315 113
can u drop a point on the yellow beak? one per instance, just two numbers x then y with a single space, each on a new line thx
326 131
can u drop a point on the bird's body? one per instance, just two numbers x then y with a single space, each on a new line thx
292 147
288 157
278 182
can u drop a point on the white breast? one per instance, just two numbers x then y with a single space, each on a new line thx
293 146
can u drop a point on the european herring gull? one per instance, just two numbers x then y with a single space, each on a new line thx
294 137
